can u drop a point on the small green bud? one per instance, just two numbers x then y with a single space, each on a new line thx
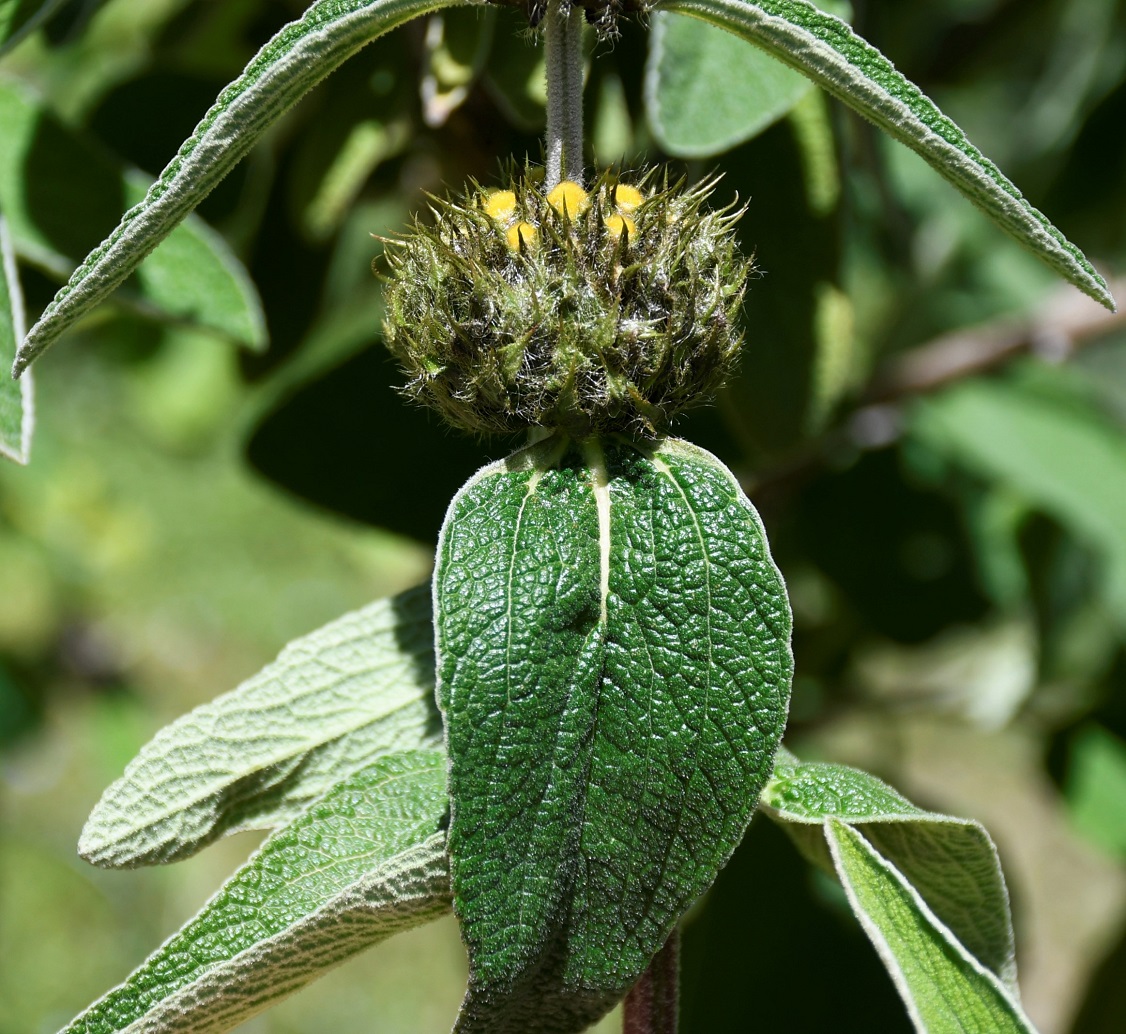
587 312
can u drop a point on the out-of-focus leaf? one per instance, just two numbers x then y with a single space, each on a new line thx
1096 787
18 18
705 91
254 758
17 416
60 193
1069 463
950 862
365 862
287 67
457 44
826 49
944 988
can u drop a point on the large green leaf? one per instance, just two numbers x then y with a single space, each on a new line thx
62 193
614 665
286 68
943 986
16 413
951 863
255 758
833 56
366 861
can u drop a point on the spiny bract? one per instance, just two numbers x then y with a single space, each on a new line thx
591 312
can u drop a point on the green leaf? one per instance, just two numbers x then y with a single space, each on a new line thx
1058 455
19 18
17 417
61 192
254 758
365 862
614 665
286 68
833 56
943 986
951 862
706 90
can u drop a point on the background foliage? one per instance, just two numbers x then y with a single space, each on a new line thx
953 536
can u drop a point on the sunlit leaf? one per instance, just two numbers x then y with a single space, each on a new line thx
17 417
951 862
332 702
943 986
614 665
833 56
286 68
365 862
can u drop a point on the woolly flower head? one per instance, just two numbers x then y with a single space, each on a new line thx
591 311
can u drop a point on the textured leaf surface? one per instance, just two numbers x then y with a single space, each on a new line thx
944 987
950 862
614 664
833 56
16 413
366 861
286 68
61 193
330 704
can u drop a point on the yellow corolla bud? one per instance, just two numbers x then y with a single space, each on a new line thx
525 232
616 223
627 199
501 205
569 197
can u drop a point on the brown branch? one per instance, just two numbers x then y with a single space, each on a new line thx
1054 330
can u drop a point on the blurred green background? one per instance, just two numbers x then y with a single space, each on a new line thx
933 428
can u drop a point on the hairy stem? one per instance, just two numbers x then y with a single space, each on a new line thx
652 1006
563 52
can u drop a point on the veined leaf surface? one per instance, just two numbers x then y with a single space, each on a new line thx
950 863
16 414
256 757
614 665
833 56
286 68
944 987
366 861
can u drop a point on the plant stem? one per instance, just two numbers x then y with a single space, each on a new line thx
563 53
652 1006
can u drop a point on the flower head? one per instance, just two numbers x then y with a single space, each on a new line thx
588 311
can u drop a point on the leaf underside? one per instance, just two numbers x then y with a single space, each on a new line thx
614 665
365 862
944 900
256 757
944 987
833 56
286 68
